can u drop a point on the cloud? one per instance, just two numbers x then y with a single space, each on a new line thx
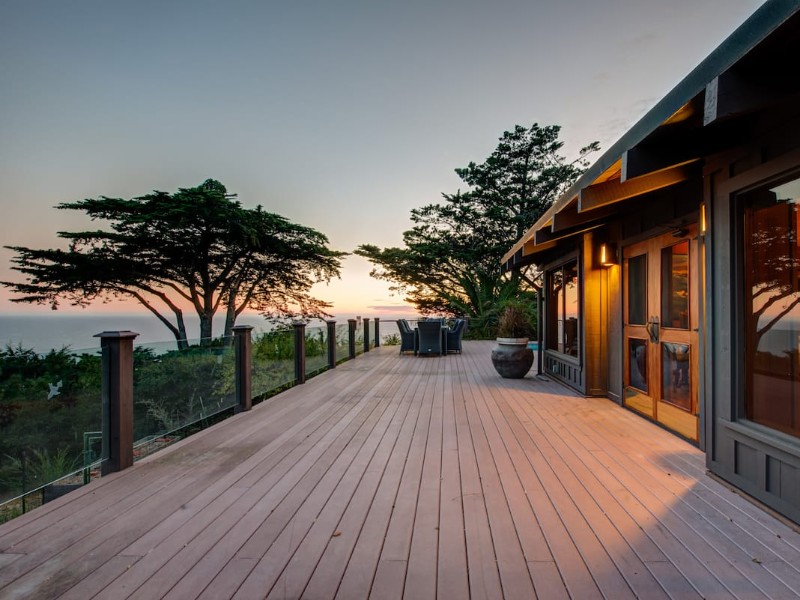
393 308
646 40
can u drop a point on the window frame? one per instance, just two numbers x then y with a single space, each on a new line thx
741 230
551 318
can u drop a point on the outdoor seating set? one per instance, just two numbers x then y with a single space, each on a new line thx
431 336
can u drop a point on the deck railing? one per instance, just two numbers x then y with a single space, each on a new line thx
108 407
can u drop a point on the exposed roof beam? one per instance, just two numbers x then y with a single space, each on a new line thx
522 256
602 194
643 160
745 89
729 95
570 217
546 235
544 221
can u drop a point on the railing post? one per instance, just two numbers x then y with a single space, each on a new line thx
351 337
117 398
299 352
366 334
242 336
377 332
331 344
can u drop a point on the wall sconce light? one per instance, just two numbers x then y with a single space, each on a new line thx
702 219
607 256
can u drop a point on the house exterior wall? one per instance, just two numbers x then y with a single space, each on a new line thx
595 318
763 462
724 139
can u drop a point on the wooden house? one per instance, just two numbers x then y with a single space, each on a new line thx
672 266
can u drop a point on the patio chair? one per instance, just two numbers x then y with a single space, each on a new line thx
429 337
454 336
408 337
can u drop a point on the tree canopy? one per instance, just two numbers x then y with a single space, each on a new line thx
197 247
451 260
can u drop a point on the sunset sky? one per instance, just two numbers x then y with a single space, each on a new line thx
338 115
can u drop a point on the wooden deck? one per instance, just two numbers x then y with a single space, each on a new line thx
409 477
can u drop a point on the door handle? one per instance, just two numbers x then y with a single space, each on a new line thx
652 329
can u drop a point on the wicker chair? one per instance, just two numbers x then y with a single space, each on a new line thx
454 336
429 339
408 337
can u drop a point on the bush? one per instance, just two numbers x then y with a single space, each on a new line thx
516 320
391 340
47 402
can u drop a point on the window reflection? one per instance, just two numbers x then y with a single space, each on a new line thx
675 286
563 312
772 298
570 342
675 383
555 331
637 364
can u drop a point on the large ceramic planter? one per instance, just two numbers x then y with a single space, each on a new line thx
512 358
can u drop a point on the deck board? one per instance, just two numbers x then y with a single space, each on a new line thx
676 515
398 476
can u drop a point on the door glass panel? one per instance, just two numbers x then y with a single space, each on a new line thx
637 364
675 286
675 385
637 289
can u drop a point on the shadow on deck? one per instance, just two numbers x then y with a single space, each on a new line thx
396 476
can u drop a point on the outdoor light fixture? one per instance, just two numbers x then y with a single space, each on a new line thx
702 219
608 255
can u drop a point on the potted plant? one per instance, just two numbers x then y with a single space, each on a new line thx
512 358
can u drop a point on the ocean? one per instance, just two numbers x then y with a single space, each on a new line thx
44 332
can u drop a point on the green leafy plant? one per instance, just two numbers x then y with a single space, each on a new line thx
197 246
39 467
516 321
47 402
391 340
451 259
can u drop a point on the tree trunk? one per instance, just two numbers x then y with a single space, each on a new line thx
230 313
183 342
178 331
206 322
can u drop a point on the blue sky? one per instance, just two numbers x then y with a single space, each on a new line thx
339 115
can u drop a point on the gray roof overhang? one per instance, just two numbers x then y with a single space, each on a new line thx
663 147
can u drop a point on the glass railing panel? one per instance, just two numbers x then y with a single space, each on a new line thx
371 333
390 333
316 349
175 390
359 337
342 342
50 419
273 361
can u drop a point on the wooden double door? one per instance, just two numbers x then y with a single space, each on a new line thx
661 320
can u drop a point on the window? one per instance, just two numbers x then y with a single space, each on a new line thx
637 290
772 306
563 325
675 286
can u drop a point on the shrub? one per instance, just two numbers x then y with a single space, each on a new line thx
516 320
